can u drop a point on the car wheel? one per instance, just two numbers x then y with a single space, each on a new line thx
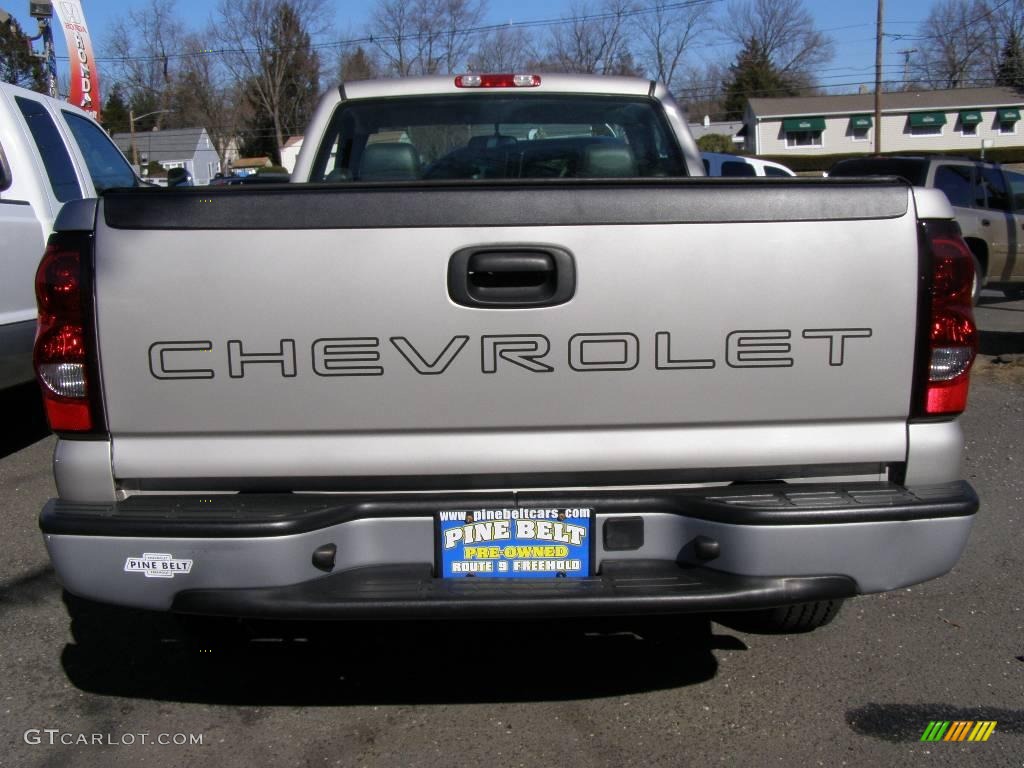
1013 293
786 619
979 281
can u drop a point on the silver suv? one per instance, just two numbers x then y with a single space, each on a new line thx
988 202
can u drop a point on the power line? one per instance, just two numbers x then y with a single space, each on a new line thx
948 32
424 35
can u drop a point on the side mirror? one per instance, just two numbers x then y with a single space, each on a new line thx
179 177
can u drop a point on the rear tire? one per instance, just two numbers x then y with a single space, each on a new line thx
786 619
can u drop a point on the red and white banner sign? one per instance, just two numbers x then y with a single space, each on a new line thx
85 79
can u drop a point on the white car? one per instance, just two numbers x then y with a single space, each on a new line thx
721 164
50 153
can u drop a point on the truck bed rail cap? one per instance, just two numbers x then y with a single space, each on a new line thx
476 204
76 216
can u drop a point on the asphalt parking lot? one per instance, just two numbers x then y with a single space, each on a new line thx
655 693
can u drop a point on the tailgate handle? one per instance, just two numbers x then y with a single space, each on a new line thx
511 276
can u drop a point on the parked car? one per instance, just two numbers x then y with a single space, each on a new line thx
179 177
722 164
50 153
252 178
988 202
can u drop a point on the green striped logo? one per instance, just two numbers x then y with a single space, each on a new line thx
958 730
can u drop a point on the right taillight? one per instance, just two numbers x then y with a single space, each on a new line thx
952 337
62 336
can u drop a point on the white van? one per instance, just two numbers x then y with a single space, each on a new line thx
721 164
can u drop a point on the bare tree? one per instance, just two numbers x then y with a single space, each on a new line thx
206 95
1001 22
146 46
595 40
701 89
507 49
951 45
267 48
425 37
393 30
786 31
666 33
452 38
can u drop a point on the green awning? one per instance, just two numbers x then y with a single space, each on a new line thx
970 117
796 124
861 121
918 119
1008 115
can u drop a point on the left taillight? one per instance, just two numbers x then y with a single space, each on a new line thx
63 346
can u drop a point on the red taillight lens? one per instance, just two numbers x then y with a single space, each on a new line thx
58 282
60 348
952 334
497 81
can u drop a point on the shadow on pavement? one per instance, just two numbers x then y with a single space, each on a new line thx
1001 342
907 722
141 654
23 416
32 588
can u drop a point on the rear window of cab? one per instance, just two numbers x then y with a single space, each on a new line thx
497 136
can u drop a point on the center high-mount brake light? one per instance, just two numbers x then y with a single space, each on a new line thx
952 334
497 81
60 357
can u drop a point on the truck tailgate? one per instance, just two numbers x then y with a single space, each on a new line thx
310 332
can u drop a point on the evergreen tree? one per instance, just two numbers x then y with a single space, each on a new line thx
1011 63
17 65
301 66
753 75
270 51
356 65
115 111
257 134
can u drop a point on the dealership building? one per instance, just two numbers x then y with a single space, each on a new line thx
912 121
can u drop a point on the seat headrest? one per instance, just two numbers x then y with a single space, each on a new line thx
389 161
608 161
480 143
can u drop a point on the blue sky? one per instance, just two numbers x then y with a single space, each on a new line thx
850 23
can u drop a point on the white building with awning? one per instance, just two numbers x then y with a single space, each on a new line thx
912 121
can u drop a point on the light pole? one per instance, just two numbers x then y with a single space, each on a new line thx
878 79
131 127
42 12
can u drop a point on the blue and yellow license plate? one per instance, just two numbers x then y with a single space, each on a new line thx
514 543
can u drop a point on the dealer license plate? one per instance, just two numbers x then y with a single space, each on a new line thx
514 543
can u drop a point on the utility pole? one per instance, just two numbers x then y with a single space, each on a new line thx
878 80
905 53
131 128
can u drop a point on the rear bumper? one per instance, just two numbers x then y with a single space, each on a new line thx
252 555
624 587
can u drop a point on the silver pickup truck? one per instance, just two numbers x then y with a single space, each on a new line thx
503 355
